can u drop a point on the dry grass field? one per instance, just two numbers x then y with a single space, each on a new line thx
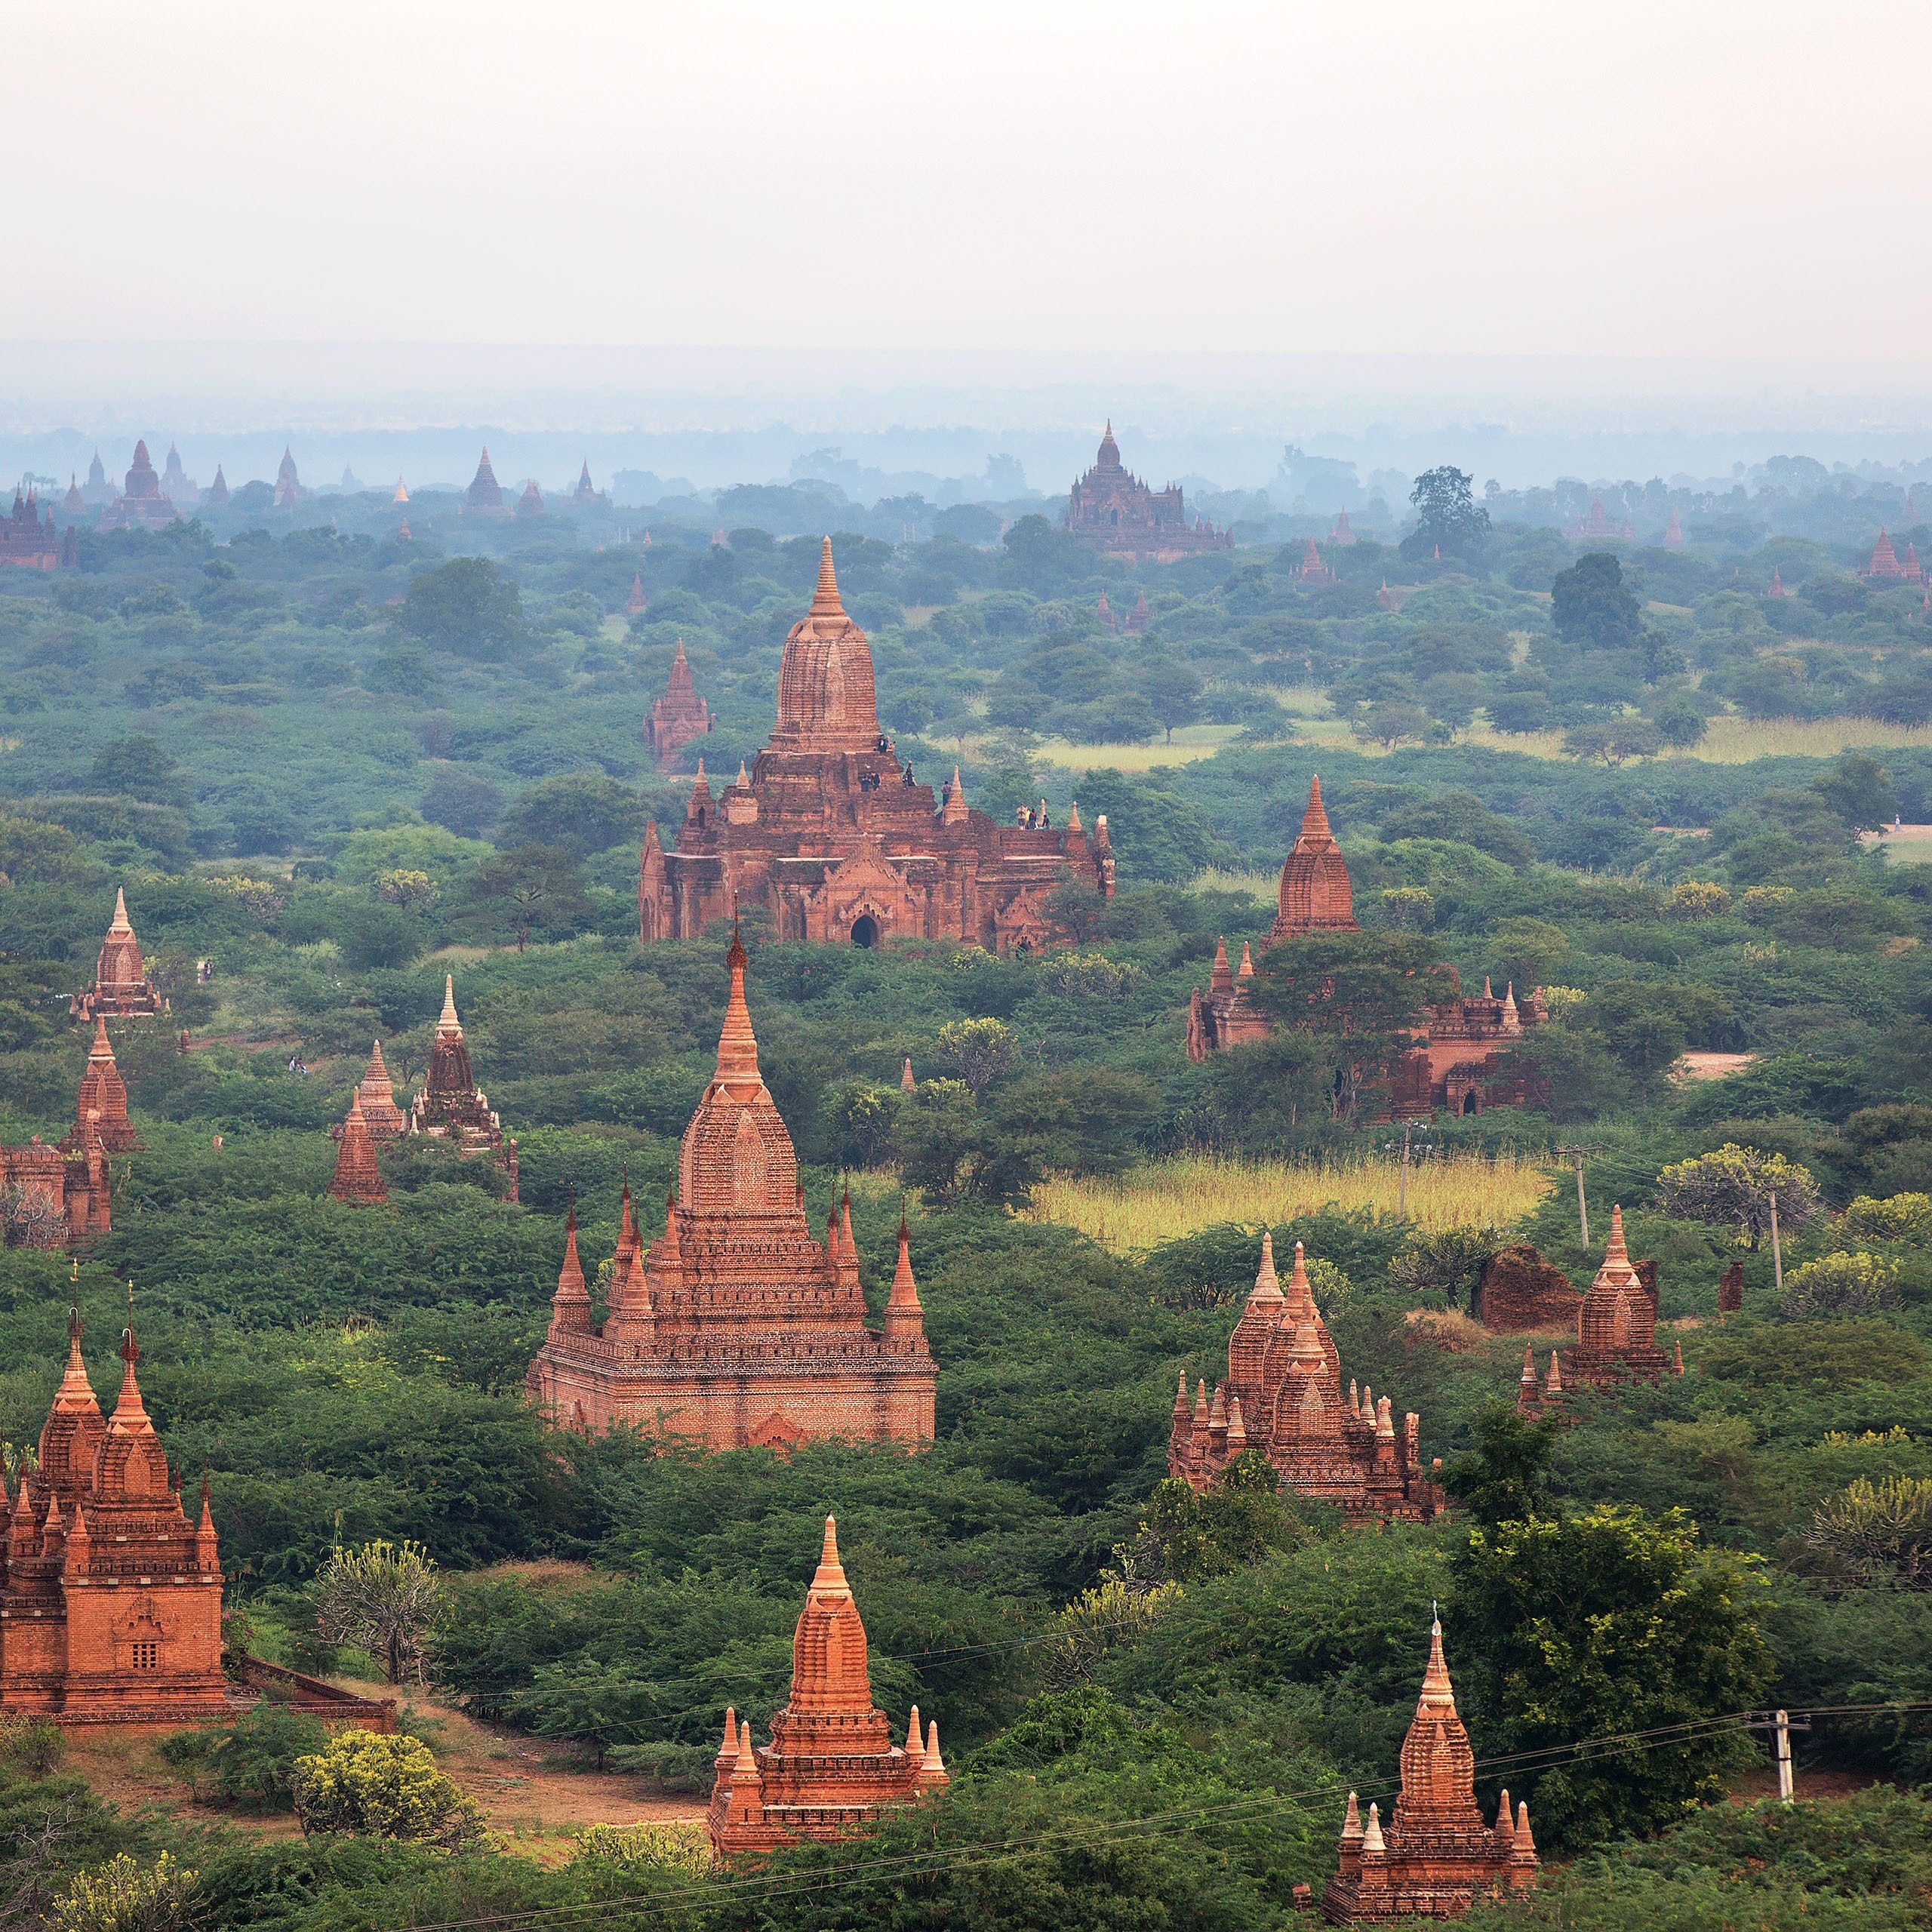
1163 1199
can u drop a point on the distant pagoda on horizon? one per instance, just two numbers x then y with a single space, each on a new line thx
1113 511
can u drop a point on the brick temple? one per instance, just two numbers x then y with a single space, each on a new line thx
101 1107
485 498
735 1328
1459 1064
832 1767
1113 512
831 834
376 1092
1437 1857
1885 565
680 715
121 989
451 1106
110 1594
1616 1334
143 504
29 541
1283 1396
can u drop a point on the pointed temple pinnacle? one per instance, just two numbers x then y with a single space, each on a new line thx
1438 1694
101 1050
120 923
737 1044
448 1022
828 1579
1314 820
1267 1283
825 599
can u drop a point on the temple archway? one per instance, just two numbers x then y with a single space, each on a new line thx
1471 1105
865 931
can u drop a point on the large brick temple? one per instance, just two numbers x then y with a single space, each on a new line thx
832 1767
834 838
1436 1857
735 1328
30 541
1459 1064
110 1594
1112 510
680 715
1283 1396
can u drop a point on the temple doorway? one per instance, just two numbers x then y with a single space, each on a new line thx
865 931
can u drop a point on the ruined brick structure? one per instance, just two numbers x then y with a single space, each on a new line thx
357 1180
142 504
680 715
735 1328
832 1767
110 1594
1437 1857
1112 510
1616 1341
1283 1396
451 1106
29 541
376 1093
831 835
121 989
1730 1290
1600 527
58 1197
1520 1290
1458 1064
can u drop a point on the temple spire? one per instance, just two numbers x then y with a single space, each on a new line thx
737 1044
447 1022
825 599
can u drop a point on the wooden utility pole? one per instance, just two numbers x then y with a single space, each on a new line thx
1576 1154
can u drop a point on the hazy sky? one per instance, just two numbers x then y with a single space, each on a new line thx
1615 178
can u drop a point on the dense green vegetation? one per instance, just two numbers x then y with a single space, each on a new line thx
336 797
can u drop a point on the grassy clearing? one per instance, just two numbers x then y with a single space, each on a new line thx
1165 1199
1264 888
1191 742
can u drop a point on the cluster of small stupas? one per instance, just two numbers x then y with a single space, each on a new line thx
110 1593
1135 621
831 1767
735 1328
1886 565
1435 1858
1112 510
1616 1334
1283 1396
30 541
680 715
1458 1064
830 834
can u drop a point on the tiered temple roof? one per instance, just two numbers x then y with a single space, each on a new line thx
122 989
451 1106
833 835
1313 569
832 1767
100 1108
1283 1396
217 498
1885 565
1436 1857
376 1093
1112 510
358 1178
586 495
1315 894
735 1327
484 497
1597 527
110 1594
29 541
680 716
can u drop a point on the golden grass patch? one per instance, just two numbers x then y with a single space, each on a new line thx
1163 1200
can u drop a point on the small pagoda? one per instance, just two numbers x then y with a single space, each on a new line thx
101 1105
376 1092
1437 1857
110 1594
288 489
121 989
1283 1396
358 1178
832 1767
483 499
736 1329
680 715
451 1106
1616 1341
142 504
